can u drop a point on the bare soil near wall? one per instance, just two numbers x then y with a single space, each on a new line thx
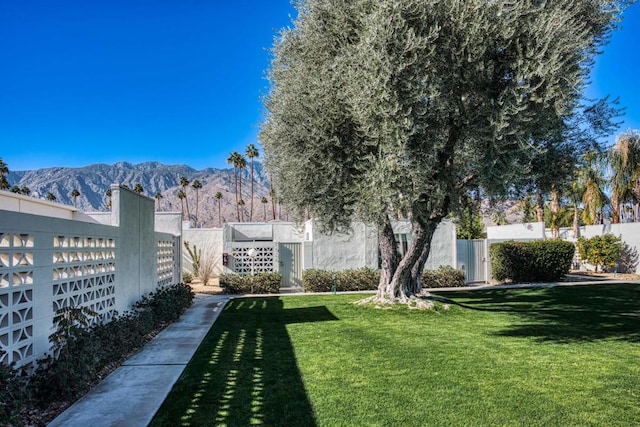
213 287
588 276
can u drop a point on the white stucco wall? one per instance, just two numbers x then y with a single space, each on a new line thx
287 232
134 216
169 222
530 230
30 205
210 242
443 246
356 249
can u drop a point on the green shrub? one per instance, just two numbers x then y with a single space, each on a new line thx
187 277
85 352
13 394
266 283
537 261
552 259
363 279
601 251
444 277
261 283
314 280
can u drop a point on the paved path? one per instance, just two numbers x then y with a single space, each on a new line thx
132 394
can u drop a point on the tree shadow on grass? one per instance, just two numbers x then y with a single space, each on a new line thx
563 313
245 371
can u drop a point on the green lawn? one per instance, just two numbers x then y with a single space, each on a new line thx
565 356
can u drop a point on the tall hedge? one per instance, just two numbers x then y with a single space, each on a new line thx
537 261
363 279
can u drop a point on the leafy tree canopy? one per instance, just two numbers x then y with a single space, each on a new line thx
385 106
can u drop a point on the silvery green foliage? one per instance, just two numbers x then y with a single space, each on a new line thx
385 106
400 105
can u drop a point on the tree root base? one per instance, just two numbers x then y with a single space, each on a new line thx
421 301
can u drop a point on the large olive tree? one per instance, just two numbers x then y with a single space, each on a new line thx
380 107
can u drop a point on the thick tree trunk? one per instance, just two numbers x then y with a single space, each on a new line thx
388 256
539 206
415 286
576 229
555 212
401 285
615 207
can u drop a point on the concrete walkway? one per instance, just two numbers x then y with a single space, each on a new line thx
132 394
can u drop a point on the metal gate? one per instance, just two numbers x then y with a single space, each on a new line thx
472 259
290 263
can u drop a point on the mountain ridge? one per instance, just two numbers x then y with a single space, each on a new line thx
93 181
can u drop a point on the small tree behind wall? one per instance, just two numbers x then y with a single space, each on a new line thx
601 251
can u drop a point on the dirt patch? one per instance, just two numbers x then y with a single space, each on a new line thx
584 276
213 287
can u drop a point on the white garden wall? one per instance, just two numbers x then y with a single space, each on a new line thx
52 257
628 232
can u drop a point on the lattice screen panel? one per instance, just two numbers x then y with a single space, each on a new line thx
165 261
264 261
16 326
84 274
16 297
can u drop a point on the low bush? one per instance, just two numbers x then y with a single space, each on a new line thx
187 277
261 283
363 279
314 280
444 277
536 261
82 354
13 393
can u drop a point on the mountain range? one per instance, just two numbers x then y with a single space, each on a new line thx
93 181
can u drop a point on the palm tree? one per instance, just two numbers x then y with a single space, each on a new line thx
241 207
574 193
158 196
272 194
4 171
15 189
593 198
624 160
238 163
500 218
554 209
181 195
75 194
197 185
184 183
25 190
108 193
218 197
264 202
51 197
251 153
138 188
242 163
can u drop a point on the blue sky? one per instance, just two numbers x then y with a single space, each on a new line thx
85 82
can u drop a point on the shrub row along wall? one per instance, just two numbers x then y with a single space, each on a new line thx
84 352
536 261
261 283
363 279
48 263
